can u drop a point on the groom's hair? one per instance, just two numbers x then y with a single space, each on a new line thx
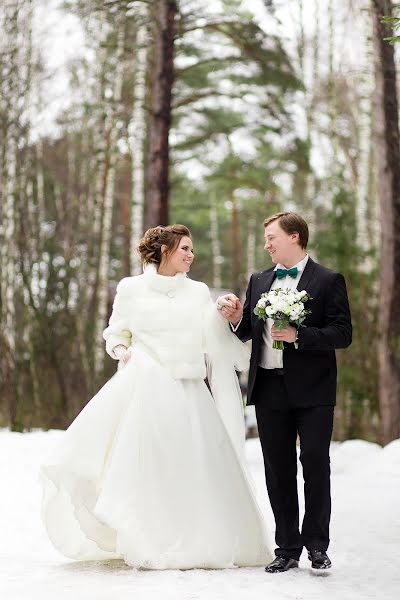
291 222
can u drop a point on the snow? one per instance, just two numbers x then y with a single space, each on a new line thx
365 545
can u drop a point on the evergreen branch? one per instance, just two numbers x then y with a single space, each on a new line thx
191 99
394 23
208 61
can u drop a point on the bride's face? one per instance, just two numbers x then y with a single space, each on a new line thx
181 259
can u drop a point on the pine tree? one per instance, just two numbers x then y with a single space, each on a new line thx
157 193
388 140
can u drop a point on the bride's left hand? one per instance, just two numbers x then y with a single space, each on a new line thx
231 308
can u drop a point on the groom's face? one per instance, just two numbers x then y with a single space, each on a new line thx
280 245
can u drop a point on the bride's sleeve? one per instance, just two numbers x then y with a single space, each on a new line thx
218 335
118 331
225 354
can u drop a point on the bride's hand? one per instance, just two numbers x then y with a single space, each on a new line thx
231 308
122 353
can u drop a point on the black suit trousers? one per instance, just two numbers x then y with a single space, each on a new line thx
278 429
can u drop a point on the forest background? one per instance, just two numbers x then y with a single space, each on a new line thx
119 115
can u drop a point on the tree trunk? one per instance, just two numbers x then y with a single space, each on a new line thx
365 141
215 243
157 195
389 190
137 141
10 103
8 267
310 99
236 250
109 168
251 245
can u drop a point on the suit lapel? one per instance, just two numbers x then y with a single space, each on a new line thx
306 275
264 282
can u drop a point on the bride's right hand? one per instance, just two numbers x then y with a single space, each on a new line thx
122 353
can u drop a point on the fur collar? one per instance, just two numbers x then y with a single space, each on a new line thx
163 283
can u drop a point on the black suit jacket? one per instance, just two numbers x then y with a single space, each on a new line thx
309 371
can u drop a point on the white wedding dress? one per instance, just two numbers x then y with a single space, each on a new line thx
148 472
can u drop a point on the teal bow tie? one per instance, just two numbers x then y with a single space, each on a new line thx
281 273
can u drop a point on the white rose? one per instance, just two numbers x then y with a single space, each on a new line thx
281 305
274 299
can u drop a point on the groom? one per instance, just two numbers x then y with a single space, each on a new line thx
294 390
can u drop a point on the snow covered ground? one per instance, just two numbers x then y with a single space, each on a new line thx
365 547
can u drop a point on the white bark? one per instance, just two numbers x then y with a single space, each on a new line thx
11 95
137 139
314 82
99 156
108 202
309 67
251 246
8 250
332 86
366 92
215 243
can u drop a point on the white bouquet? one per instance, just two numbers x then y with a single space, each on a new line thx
284 307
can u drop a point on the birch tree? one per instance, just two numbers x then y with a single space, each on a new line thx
15 65
251 245
107 200
366 209
215 242
137 130
9 89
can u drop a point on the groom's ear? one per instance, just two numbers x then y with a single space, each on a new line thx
295 237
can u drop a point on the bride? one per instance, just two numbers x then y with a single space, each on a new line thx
152 470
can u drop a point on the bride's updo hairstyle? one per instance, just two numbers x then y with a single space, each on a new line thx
150 245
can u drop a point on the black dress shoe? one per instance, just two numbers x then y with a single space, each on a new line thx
319 559
281 564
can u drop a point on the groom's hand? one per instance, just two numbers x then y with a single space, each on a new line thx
231 308
288 334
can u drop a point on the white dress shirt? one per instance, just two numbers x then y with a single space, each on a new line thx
270 357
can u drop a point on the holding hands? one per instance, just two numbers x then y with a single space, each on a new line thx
231 308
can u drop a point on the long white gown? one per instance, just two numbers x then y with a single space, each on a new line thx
147 472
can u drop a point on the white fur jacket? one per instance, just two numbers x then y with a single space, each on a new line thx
174 320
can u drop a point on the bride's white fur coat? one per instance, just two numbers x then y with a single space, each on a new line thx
171 319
